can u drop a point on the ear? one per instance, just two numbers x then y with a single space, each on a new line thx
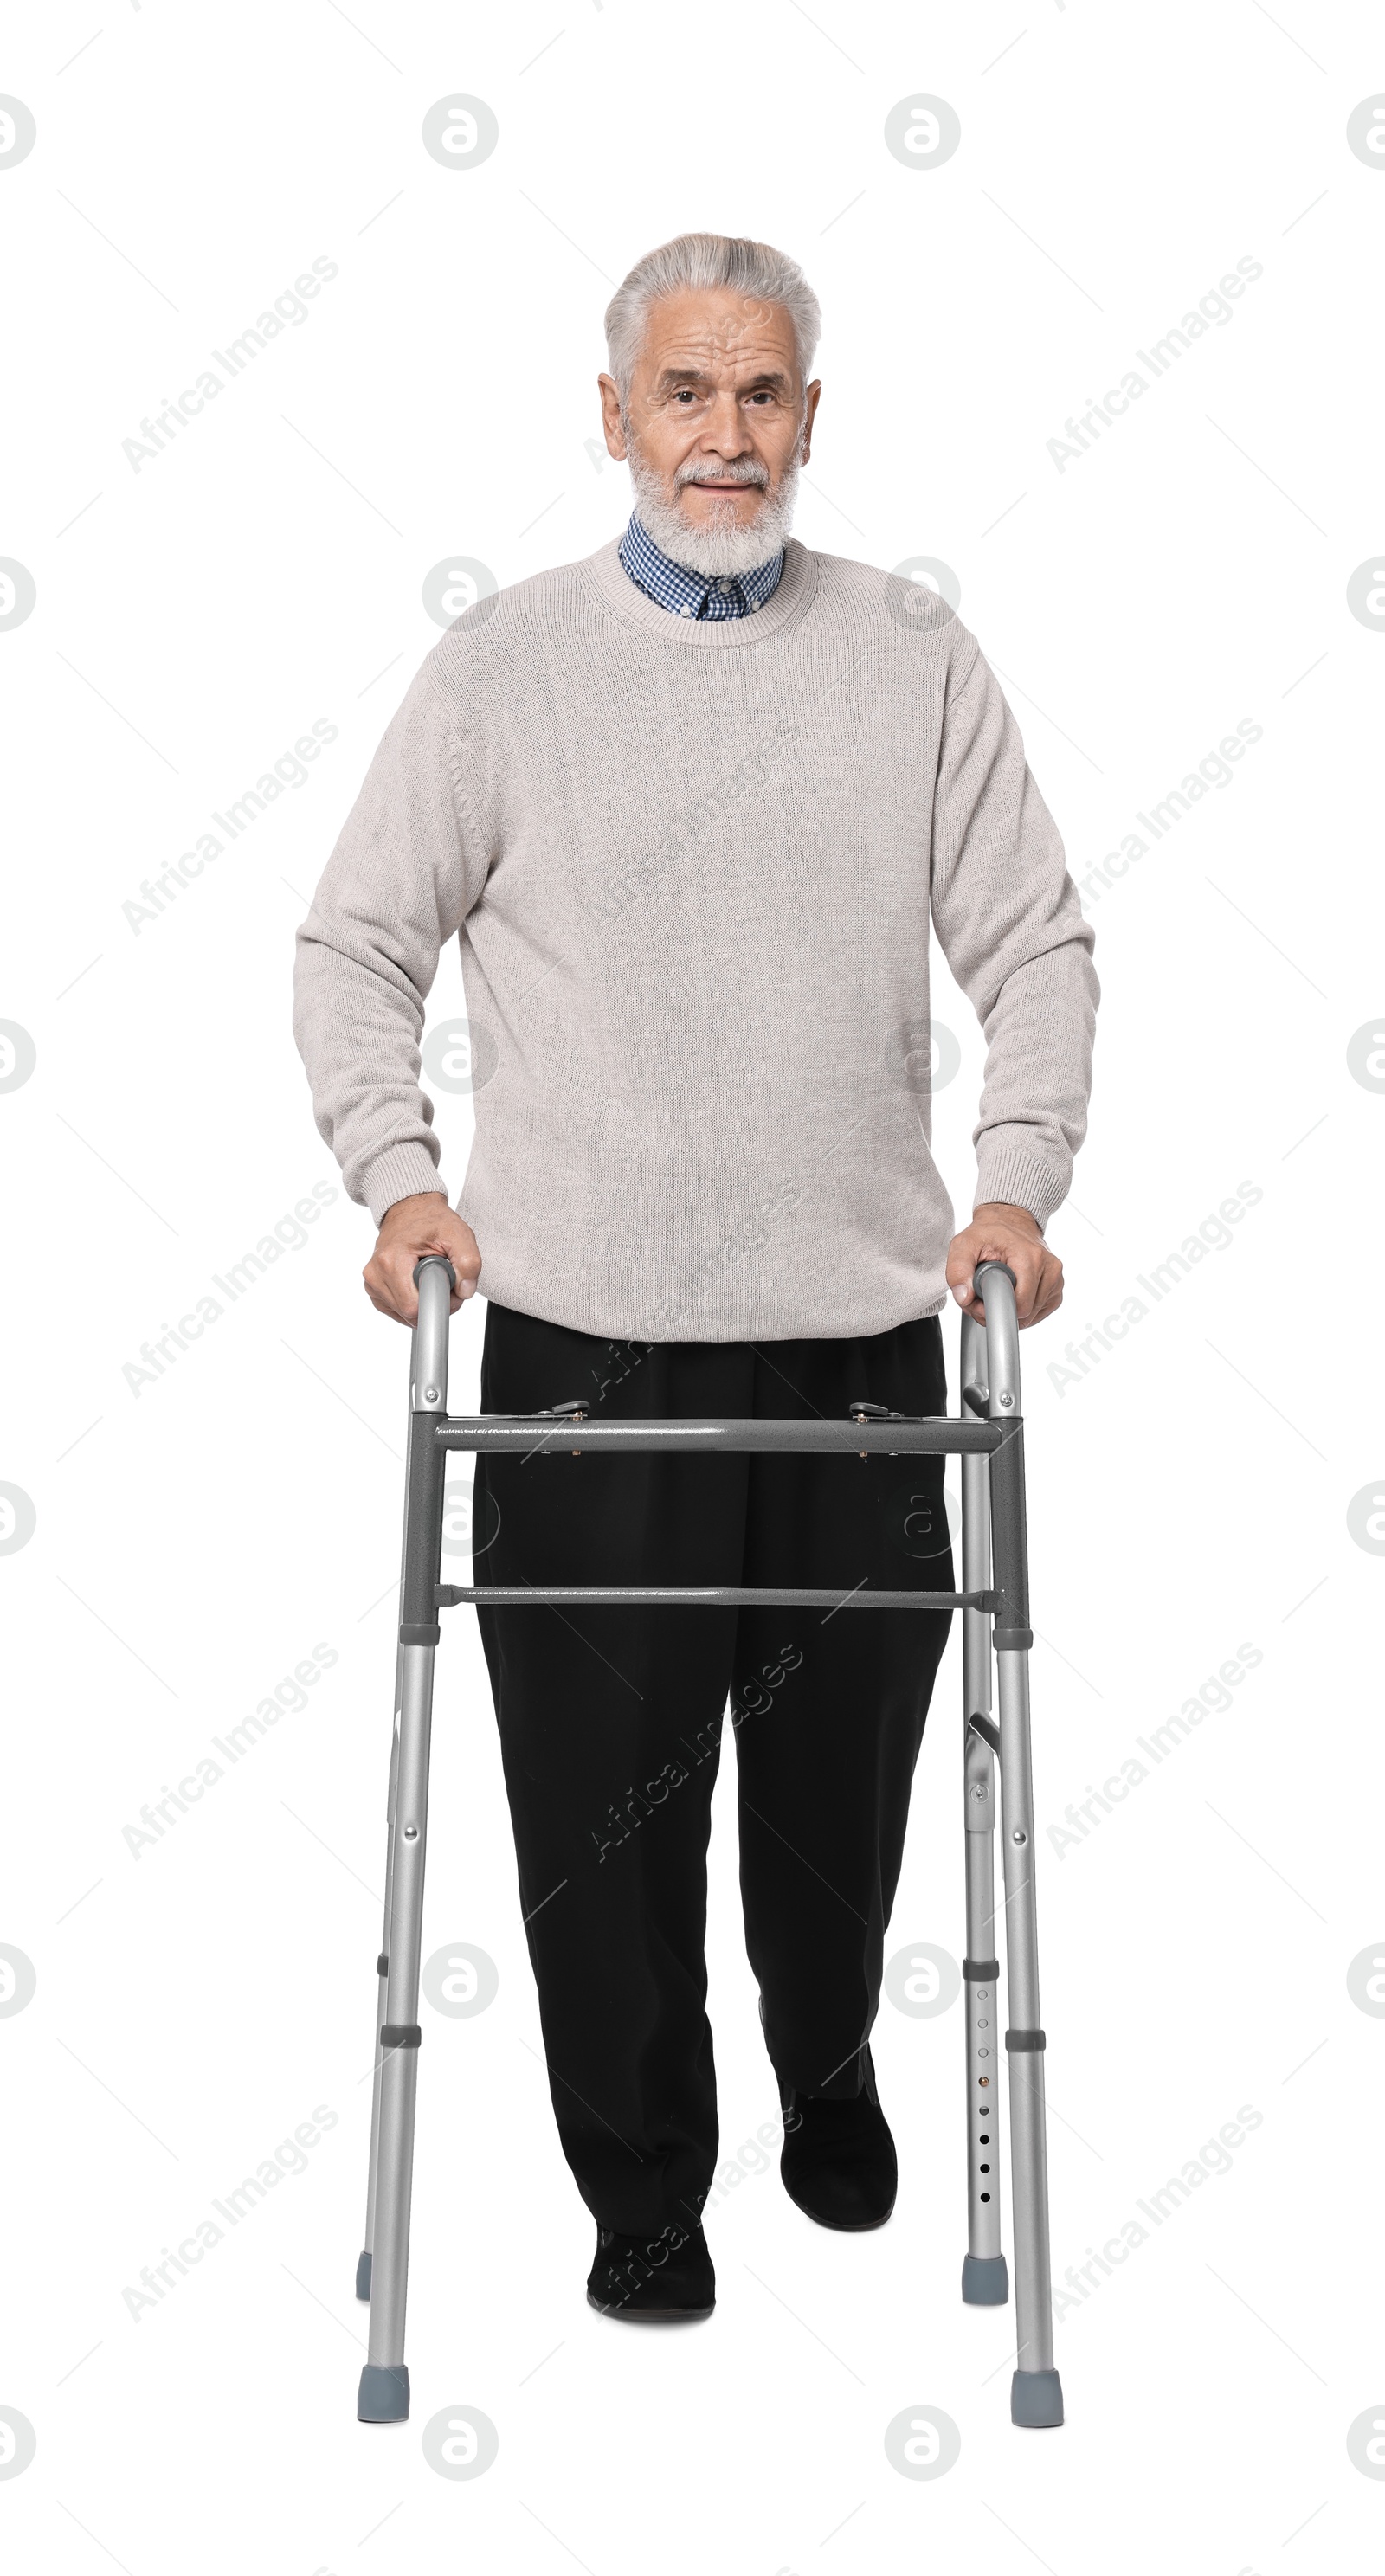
810 403
610 417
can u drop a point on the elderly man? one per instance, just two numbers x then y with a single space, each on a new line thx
690 806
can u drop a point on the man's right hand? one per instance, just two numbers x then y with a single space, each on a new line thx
412 1227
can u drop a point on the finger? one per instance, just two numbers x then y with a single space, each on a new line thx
1002 1253
462 1286
463 1261
1050 1296
961 1263
1028 1288
399 1264
1026 1262
963 1288
381 1296
988 1252
966 1253
459 1246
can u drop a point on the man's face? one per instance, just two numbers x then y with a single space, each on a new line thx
717 414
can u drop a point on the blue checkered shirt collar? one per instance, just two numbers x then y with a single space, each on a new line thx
694 594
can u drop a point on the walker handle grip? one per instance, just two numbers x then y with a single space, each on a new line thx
436 1282
1002 1339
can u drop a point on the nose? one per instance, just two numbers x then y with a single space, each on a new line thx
724 432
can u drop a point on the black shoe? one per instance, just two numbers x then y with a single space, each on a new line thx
839 2164
653 2280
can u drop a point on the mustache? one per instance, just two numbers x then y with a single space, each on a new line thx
743 469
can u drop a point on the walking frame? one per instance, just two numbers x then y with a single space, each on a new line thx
988 1435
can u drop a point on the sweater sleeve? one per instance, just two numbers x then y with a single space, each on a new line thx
405 871
1013 933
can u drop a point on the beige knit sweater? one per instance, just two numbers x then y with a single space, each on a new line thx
692 867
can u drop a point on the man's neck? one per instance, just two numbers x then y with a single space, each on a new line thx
685 590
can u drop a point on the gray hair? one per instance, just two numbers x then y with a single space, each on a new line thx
699 260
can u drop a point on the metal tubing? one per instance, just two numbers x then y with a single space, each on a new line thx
381 2000
1009 1542
428 1389
995 1285
1035 2395
399 2064
976 1570
983 2080
943 1436
715 1595
1028 2151
428 1372
384 2381
365 2265
978 1776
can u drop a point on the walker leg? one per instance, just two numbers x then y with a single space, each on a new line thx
381 2013
985 2280
384 2388
1036 2396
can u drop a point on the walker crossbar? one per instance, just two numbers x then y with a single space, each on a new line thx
926 1436
724 1596
988 1436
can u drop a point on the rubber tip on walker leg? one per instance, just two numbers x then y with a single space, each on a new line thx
384 2394
985 2281
363 2276
1036 2398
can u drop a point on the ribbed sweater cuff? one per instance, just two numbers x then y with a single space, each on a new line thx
1021 1182
399 1173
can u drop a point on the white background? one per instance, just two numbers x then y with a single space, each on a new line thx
1189 1491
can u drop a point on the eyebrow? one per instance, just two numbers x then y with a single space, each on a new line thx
771 377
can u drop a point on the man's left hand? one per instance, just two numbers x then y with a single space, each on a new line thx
998 1232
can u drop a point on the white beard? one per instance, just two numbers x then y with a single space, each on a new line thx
719 548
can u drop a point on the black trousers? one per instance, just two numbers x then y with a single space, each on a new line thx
611 1722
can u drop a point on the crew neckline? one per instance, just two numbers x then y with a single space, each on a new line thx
787 603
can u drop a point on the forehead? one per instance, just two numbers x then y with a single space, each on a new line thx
719 333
